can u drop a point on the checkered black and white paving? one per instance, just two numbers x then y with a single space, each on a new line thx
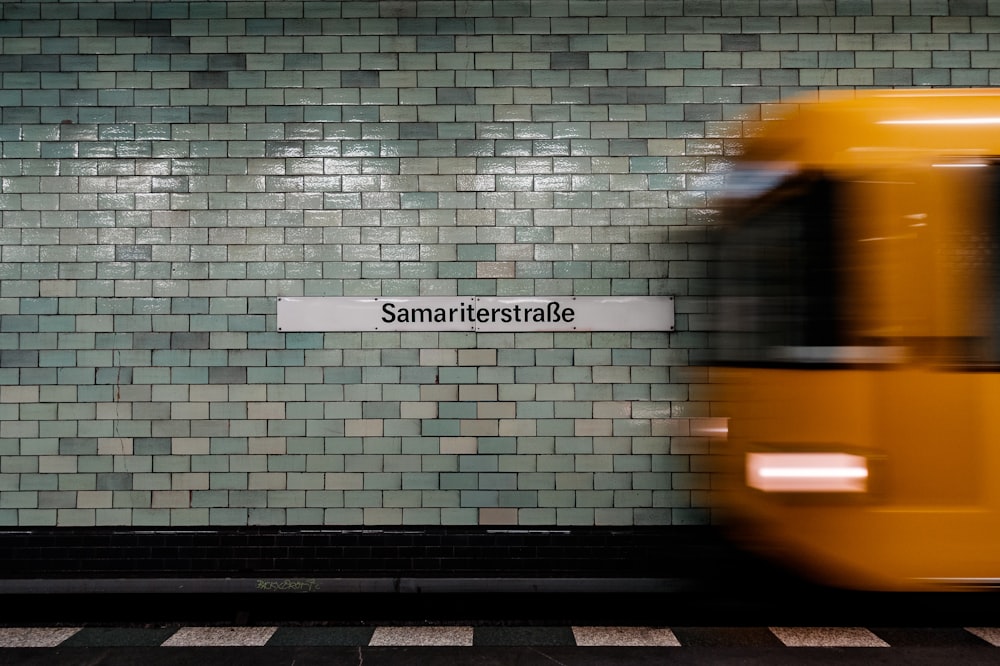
467 636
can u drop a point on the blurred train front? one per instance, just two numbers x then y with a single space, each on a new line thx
858 341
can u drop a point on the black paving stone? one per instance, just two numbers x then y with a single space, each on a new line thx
322 636
523 636
928 637
119 637
726 637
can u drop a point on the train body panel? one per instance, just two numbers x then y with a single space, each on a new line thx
859 340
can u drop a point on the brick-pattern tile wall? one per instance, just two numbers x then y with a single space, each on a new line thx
169 169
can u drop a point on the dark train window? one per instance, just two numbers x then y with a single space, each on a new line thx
990 245
777 277
970 252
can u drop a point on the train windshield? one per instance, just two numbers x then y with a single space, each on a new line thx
779 291
812 269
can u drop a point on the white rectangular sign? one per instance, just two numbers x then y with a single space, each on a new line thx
476 313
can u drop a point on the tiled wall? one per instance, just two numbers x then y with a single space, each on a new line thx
169 169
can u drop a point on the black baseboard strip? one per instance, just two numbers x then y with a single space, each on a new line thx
389 559
285 586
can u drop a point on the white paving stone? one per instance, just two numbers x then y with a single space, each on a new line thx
827 637
625 636
422 636
16 637
220 636
989 634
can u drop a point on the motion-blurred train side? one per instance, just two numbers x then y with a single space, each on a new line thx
858 340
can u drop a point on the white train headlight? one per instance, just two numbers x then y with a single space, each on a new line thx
807 472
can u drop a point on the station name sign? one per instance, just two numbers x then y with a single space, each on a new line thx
476 313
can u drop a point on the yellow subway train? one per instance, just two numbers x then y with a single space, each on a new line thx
857 341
